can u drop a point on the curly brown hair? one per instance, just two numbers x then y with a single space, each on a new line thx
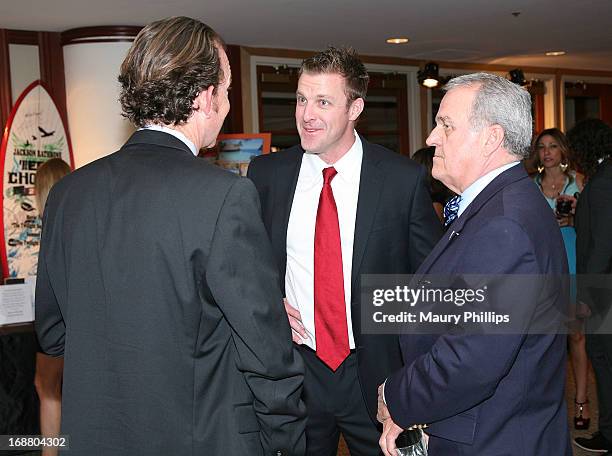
591 141
170 62
343 61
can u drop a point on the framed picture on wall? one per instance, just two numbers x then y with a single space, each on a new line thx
234 152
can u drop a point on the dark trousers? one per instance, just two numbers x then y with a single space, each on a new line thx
334 405
599 348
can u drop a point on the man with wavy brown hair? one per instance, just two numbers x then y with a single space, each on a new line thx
156 280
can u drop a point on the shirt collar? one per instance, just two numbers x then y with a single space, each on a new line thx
470 193
177 134
348 167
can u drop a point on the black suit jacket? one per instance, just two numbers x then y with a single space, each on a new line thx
395 229
594 244
157 284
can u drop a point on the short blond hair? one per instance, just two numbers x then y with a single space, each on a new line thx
345 62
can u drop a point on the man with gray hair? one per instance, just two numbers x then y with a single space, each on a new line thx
486 394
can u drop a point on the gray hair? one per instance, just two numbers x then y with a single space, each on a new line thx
499 102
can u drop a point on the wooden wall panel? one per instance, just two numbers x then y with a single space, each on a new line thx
234 122
5 80
51 58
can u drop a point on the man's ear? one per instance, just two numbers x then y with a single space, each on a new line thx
355 109
494 140
204 101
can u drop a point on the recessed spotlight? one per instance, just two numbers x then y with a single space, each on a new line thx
555 53
399 40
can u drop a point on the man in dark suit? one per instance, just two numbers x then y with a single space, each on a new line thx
591 142
488 394
156 280
375 216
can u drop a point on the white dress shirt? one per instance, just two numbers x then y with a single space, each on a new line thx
177 134
470 193
299 278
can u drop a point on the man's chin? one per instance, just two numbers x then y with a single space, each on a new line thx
310 148
437 175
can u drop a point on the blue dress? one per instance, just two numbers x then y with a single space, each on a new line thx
568 232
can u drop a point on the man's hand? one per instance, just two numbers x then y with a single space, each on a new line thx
298 332
383 411
387 440
390 429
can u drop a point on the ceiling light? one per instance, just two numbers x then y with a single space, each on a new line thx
518 77
398 40
555 53
429 76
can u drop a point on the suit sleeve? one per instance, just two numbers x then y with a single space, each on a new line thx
49 323
252 170
242 277
461 371
257 174
594 251
425 227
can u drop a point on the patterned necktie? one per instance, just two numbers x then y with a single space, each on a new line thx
331 330
450 209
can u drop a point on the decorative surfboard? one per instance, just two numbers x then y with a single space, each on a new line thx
34 133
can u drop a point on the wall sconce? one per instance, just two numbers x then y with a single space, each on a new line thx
429 76
518 77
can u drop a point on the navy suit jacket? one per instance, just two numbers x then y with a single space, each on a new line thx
491 394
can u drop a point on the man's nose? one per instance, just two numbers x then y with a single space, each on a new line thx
308 113
432 139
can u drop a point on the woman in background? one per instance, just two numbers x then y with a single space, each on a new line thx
559 183
439 193
49 370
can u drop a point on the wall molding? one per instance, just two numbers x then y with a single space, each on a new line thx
386 60
100 34
22 37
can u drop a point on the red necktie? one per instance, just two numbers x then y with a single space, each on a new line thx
331 331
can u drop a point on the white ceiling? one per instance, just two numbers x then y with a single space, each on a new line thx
447 30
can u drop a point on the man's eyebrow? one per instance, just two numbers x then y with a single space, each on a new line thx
318 96
444 119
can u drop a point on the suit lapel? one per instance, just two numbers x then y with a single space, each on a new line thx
506 178
287 177
370 189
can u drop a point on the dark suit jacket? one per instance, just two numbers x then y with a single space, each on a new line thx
491 394
157 284
594 243
395 229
